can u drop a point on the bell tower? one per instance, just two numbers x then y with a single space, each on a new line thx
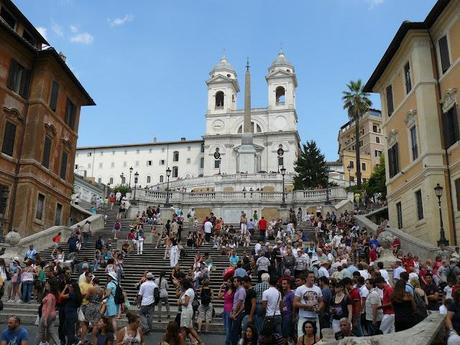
282 82
222 88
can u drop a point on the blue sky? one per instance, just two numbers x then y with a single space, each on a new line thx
145 62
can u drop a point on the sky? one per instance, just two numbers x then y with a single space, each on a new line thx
145 62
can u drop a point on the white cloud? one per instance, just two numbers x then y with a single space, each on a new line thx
73 29
121 21
43 31
57 29
82 38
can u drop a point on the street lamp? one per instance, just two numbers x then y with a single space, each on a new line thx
168 173
280 153
130 172
136 179
283 200
349 175
122 176
217 157
442 236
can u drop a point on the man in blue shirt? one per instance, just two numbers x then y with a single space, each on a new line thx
14 334
31 253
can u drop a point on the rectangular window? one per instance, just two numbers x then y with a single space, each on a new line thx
4 192
414 146
100 165
393 160
8 139
444 54
63 170
457 193
162 162
451 130
407 77
202 163
175 156
111 180
58 215
175 172
375 128
70 114
7 17
148 179
377 153
149 163
363 166
377 140
418 200
54 95
18 79
351 164
217 164
99 180
280 161
161 178
47 152
40 207
390 106
399 215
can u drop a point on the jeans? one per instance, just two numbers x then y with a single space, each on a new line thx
226 317
160 305
27 287
357 328
70 327
146 316
373 329
235 331
276 323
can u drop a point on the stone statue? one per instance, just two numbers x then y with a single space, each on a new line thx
386 254
12 238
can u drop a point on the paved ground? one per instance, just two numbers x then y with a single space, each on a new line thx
151 339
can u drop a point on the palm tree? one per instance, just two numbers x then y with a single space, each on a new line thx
357 103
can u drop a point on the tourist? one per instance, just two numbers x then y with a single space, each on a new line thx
262 225
308 301
140 237
110 304
132 333
103 332
250 303
205 308
174 254
14 334
71 299
388 320
163 285
173 336
146 302
207 230
116 229
452 320
185 302
226 292
260 312
309 333
236 315
31 254
271 302
27 281
15 274
249 336
46 329
345 329
341 306
403 306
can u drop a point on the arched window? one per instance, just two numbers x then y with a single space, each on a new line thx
219 99
176 156
148 179
161 178
280 95
175 171
111 180
255 128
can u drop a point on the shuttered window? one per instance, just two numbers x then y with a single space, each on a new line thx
419 202
444 54
414 145
18 79
63 170
54 95
407 77
399 215
390 106
46 152
8 139
70 114
40 206
393 160
450 127
457 193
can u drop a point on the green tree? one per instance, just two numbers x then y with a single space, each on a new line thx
310 167
357 103
123 189
377 181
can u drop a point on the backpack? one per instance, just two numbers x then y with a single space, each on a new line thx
156 295
205 297
119 298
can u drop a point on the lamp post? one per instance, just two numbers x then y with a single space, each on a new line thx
136 179
217 157
122 176
168 173
349 175
130 172
280 153
442 236
283 200
327 187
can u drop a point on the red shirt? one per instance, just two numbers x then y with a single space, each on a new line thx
131 236
387 292
356 301
262 225
373 254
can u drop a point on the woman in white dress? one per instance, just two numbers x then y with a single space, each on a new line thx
174 254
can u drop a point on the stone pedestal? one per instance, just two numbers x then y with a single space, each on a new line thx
166 213
247 155
386 256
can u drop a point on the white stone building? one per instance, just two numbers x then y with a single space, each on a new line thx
274 127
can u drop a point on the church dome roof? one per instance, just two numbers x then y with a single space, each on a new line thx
281 61
223 65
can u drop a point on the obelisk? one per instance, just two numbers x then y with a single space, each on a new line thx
247 151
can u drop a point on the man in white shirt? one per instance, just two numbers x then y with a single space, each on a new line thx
308 299
323 272
271 299
207 230
397 271
383 272
146 302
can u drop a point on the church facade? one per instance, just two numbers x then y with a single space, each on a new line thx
274 138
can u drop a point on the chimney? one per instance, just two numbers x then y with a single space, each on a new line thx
63 57
154 139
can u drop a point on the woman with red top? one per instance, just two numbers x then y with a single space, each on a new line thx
227 292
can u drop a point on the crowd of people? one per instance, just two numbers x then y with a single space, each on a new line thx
292 282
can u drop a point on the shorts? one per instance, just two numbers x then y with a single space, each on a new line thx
186 318
205 312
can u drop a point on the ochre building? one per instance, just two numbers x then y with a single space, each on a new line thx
418 79
40 101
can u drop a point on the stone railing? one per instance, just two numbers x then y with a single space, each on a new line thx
308 196
409 244
427 332
43 239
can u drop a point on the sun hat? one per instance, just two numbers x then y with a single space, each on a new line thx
113 275
149 275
